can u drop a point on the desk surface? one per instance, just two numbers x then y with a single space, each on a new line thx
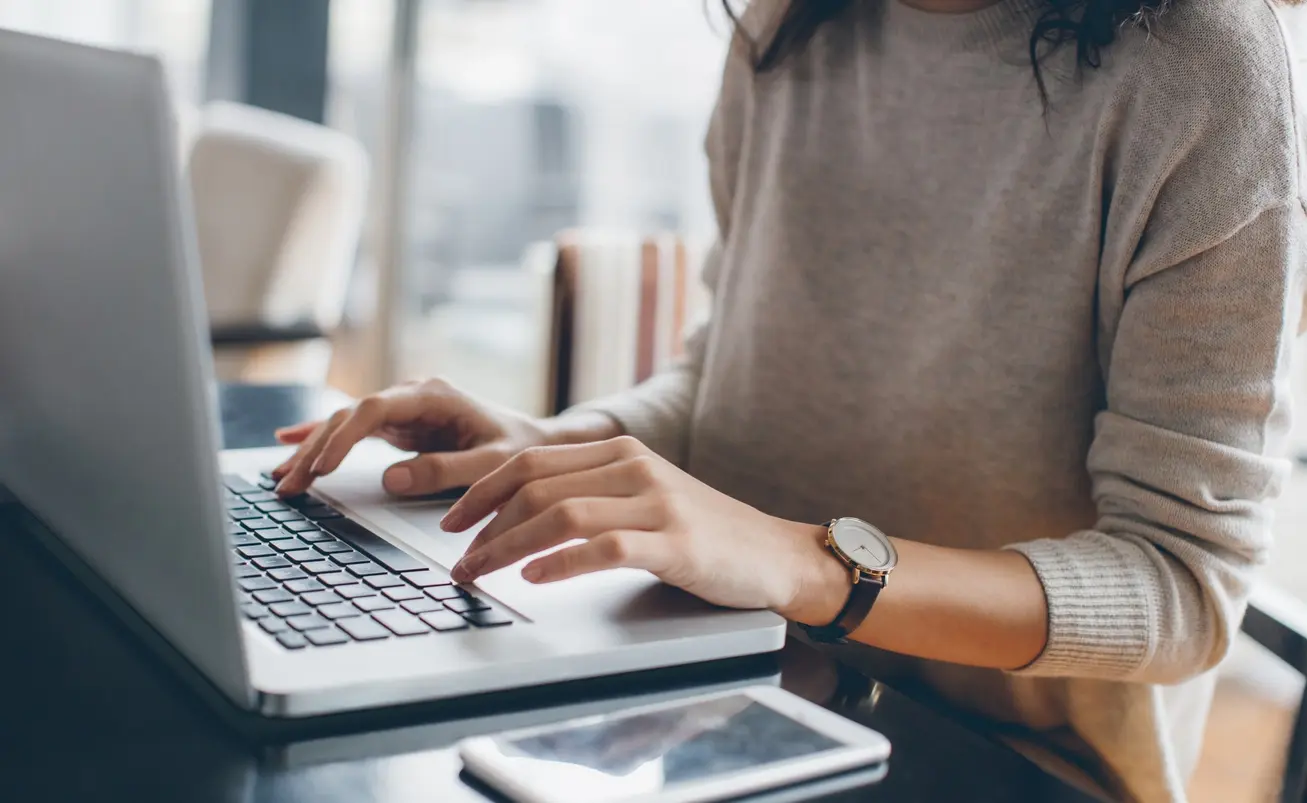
88 715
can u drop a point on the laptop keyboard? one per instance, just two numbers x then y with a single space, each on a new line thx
312 578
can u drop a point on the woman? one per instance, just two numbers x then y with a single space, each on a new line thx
1015 282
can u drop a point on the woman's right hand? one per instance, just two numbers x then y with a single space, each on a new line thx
458 439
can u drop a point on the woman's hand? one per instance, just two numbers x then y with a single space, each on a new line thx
630 508
459 439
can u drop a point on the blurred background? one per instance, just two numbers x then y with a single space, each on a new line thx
488 125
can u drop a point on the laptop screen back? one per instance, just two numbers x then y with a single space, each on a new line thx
107 431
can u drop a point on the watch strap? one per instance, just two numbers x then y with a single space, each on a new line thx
856 608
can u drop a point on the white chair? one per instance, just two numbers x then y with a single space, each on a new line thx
279 209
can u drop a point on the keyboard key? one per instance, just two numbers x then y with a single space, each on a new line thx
400 623
465 604
363 629
237 484
302 527
384 581
288 573
320 567
366 570
370 604
304 556
402 593
243 513
274 562
289 545
234 503
332 547
273 626
256 497
292 641
382 551
246 570
253 610
355 591
320 512
423 605
234 528
326 597
256 583
305 586
260 526
443 593
266 483
309 622
350 558
336 579
429 578
487 619
444 621
288 609
271 507
255 552
285 516
273 595
338 610
244 539
327 637
301 501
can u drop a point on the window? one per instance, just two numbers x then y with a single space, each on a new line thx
528 117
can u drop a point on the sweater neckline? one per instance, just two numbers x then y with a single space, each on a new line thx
993 26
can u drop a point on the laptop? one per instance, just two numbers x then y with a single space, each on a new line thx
335 602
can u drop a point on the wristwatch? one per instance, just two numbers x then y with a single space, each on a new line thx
869 556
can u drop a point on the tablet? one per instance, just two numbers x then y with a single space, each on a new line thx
706 748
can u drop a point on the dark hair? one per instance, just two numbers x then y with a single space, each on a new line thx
1090 24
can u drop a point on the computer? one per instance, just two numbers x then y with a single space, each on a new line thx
334 602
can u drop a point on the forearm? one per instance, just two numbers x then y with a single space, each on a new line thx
973 607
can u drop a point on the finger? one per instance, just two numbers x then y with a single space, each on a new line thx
611 550
298 476
433 473
491 493
395 406
574 518
297 432
622 479
279 473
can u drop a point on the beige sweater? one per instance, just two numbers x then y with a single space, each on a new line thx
977 326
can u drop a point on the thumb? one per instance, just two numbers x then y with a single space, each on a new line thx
441 471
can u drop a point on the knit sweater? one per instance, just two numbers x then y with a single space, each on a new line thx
979 322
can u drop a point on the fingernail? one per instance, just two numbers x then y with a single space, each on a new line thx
451 521
398 480
467 568
533 573
316 468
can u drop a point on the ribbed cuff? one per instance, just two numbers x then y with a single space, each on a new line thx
1103 595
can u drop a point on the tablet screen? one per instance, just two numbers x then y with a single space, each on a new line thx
643 753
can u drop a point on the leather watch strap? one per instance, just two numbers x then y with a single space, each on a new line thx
861 599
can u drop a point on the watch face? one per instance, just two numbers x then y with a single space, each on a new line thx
864 545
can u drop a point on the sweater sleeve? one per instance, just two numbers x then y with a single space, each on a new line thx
1183 464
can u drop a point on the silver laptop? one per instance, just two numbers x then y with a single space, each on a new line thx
108 434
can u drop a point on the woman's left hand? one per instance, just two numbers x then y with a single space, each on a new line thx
630 508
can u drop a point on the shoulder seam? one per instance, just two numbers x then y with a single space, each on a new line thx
1295 91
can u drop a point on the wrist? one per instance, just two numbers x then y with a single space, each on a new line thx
822 583
586 426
